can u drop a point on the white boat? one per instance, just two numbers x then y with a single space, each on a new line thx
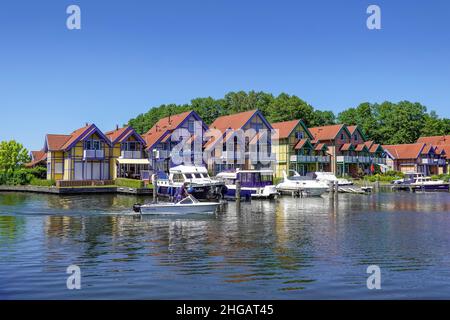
329 178
255 184
302 186
188 205
198 182
419 181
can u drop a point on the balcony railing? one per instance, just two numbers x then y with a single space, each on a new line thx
377 160
309 159
347 159
131 154
429 161
93 154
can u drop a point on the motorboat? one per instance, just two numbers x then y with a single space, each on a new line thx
188 205
255 184
418 181
301 186
330 179
198 181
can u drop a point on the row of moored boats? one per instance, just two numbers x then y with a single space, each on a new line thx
252 184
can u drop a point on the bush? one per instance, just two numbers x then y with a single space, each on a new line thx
129 183
386 177
42 182
22 176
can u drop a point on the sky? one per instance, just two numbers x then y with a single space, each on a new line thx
132 55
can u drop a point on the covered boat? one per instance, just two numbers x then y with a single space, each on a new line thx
301 186
255 184
199 183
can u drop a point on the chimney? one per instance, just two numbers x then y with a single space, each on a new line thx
117 127
87 124
169 120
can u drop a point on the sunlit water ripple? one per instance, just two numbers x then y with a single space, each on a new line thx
289 248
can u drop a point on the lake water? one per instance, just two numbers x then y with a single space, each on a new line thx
289 248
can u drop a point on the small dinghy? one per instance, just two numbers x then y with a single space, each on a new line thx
188 205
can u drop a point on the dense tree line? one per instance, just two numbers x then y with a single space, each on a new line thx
386 123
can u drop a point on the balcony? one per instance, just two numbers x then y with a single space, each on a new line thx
306 159
362 159
435 162
93 154
323 159
346 159
379 160
131 154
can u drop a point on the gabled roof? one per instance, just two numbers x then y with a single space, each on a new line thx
361 147
166 126
81 133
36 158
404 151
369 144
352 129
435 140
375 147
446 149
55 142
233 121
122 134
321 147
303 143
427 149
285 128
61 142
327 132
228 125
347 147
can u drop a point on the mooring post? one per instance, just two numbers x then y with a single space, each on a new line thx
155 189
238 190
336 187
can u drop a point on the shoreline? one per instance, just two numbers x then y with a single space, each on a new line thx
77 190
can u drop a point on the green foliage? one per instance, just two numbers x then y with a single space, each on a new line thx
390 123
280 108
386 123
445 177
22 176
12 155
389 176
129 183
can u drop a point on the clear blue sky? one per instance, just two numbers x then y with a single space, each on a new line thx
132 55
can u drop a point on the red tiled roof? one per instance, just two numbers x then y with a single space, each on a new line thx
361 147
346 147
374 147
37 157
163 126
300 144
446 149
405 151
369 144
435 140
114 134
352 129
285 128
55 142
427 149
320 146
233 121
76 134
326 132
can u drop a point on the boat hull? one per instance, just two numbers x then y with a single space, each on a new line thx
308 192
163 209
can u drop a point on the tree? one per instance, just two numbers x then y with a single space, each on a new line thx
12 155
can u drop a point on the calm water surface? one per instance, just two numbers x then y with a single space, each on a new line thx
289 248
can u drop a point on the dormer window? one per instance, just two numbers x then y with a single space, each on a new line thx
92 145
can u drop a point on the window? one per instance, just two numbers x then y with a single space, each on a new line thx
58 167
178 177
342 136
188 175
355 136
299 135
92 145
